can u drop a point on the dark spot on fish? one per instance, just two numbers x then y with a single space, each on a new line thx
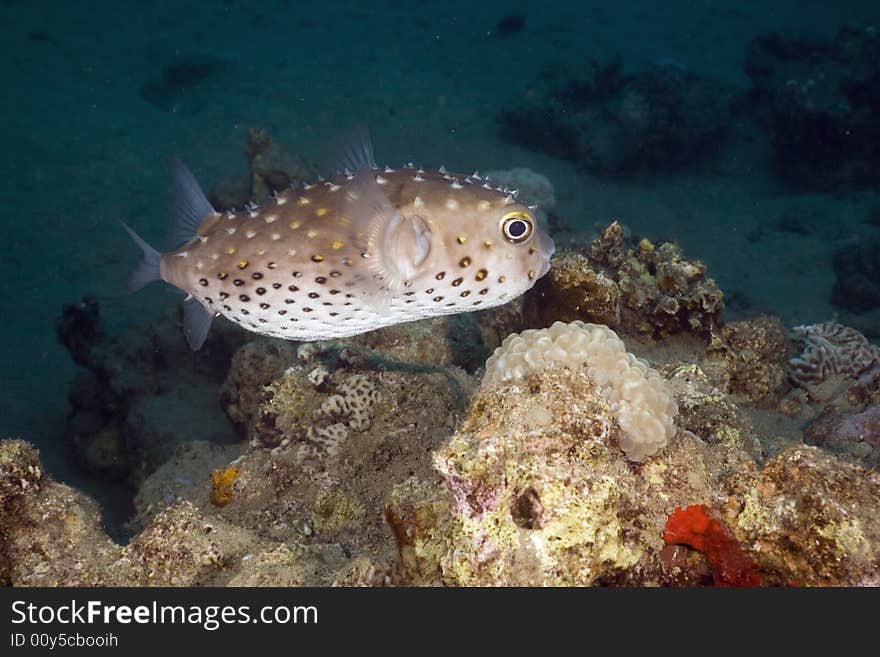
282 312
477 303
320 280
335 274
242 264
307 310
510 25
209 300
227 308
203 282
438 299
440 276
327 303
294 319
297 274
264 306
313 295
450 304
256 276
288 301
244 297
347 262
409 300
501 279
262 321
484 290
409 294
293 288
349 296
245 311
457 282
222 275
482 274
271 265
238 282
276 286
334 291
465 262
261 291
466 293
430 290
334 314
317 257
224 295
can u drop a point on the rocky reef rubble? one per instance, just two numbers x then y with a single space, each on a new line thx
525 484
643 289
271 168
141 393
391 458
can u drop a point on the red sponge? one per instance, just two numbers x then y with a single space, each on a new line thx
697 527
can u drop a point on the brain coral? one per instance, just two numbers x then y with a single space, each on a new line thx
641 401
831 348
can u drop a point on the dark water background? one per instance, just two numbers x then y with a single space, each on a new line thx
97 94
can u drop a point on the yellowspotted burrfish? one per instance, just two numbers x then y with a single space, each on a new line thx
366 248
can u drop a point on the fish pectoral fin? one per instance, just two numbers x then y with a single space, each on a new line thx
405 245
196 323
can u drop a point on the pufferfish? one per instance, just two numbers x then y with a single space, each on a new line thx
366 248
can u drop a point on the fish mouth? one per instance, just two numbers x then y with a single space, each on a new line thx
547 248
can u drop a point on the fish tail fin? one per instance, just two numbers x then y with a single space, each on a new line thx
147 269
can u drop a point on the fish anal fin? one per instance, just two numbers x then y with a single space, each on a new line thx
196 323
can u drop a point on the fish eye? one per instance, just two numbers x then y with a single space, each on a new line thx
517 227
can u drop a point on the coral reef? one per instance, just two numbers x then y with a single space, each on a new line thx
747 359
831 349
574 291
534 492
812 519
141 392
271 168
814 97
642 406
707 412
521 482
609 122
650 289
855 434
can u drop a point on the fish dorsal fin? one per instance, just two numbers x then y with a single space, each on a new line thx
189 205
352 151
389 246
196 323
